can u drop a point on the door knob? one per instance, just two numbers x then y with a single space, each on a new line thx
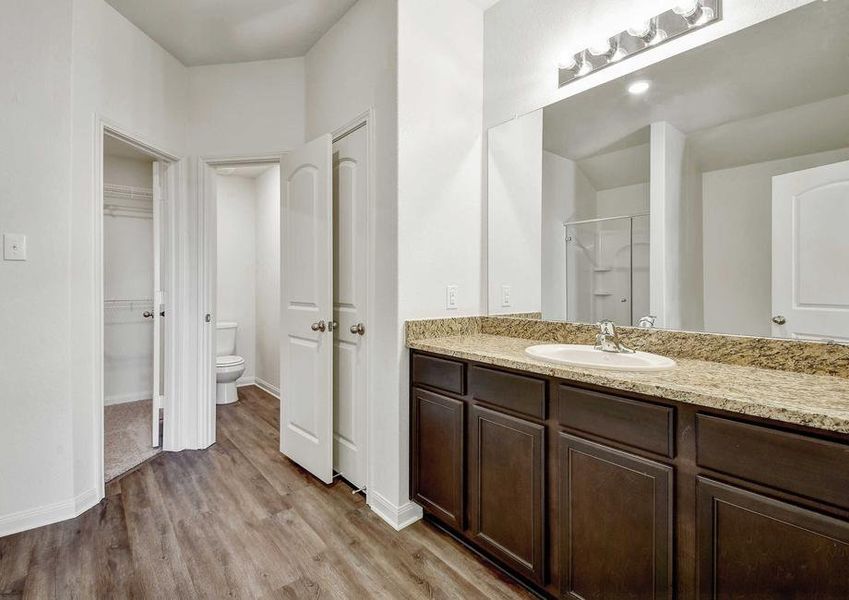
147 314
358 329
320 326
779 320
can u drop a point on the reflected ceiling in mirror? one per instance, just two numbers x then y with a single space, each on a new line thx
715 198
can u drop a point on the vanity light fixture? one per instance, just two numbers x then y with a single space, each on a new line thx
684 17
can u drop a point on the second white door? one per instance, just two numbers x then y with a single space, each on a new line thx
810 288
350 276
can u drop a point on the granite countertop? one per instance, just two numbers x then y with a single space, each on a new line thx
820 401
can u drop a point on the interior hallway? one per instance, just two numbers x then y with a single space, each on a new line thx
239 520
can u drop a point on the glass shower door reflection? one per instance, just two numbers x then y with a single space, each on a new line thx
607 270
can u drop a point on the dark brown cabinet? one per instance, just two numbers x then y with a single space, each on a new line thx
584 492
616 523
437 469
506 489
753 546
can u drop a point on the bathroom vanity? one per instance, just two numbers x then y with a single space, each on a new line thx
588 490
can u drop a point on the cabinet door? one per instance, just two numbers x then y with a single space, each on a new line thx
437 456
506 489
752 546
616 523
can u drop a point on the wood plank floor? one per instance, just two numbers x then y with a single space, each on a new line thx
239 520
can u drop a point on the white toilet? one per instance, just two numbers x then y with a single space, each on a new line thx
228 366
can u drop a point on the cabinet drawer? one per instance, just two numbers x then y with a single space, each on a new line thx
637 424
525 395
440 373
795 463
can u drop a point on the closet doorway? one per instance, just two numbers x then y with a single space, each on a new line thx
134 273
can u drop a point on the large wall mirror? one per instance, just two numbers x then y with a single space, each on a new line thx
707 192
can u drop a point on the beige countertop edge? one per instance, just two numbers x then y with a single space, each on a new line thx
756 392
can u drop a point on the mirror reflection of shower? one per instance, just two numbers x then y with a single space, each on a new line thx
607 269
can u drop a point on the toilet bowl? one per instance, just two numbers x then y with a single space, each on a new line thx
228 365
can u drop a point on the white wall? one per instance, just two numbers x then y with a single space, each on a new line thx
236 275
440 99
524 40
737 242
121 75
515 176
127 275
352 68
246 108
134 172
268 278
36 466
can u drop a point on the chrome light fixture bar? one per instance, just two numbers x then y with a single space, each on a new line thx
684 17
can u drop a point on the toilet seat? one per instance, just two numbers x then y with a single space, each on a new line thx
229 361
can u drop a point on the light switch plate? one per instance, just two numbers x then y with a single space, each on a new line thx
506 293
451 297
14 246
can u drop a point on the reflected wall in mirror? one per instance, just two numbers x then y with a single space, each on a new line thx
715 200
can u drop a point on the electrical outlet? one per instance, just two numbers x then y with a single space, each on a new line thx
451 297
14 246
506 296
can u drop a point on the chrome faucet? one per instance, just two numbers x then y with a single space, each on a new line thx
647 322
607 339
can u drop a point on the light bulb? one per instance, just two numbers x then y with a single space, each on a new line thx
693 12
641 29
568 63
686 8
601 47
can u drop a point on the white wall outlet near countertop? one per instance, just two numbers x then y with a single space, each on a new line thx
14 246
451 297
506 293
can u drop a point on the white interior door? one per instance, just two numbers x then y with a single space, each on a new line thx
350 264
158 300
306 293
810 246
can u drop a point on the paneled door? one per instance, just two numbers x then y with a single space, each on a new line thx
306 296
350 280
810 288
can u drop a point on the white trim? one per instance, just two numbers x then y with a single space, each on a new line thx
367 119
245 381
103 127
48 514
205 280
267 387
398 517
124 398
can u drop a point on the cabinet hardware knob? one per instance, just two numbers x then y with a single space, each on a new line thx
779 320
358 329
319 326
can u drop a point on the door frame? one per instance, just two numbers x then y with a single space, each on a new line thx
366 120
170 438
207 273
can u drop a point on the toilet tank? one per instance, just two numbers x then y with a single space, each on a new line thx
225 339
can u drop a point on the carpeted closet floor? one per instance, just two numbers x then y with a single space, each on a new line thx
127 437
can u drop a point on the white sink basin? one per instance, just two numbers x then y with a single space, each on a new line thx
587 356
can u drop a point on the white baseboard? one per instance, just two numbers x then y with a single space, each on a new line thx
398 517
47 514
131 397
265 386
245 381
